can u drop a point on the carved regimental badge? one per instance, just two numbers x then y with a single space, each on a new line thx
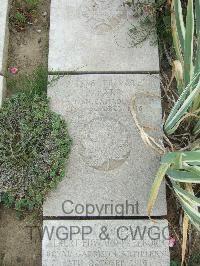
105 144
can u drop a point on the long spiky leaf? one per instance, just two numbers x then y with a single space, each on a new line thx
197 61
187 195
179 23
197 15
185 236
176 41
156 186
183 176
171 125
188 52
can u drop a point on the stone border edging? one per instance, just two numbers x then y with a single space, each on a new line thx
4 33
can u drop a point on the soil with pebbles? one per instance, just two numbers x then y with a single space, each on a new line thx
20 240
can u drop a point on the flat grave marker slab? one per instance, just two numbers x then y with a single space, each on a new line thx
111 170
94 36
105 243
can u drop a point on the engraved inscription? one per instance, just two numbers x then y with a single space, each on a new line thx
142 244
105 144
97 105
103 16
144 102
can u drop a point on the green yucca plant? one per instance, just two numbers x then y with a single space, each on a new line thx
183 168
186 69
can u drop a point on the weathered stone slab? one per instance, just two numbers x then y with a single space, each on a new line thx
111 170
94 35
105 243
2 89
3 33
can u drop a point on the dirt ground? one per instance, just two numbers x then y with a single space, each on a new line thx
20 240
29 48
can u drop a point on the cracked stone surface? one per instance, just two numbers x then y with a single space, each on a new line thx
94 36
109 163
